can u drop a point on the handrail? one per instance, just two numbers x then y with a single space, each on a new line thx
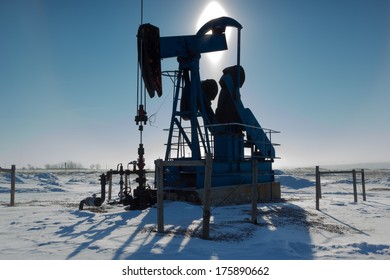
229 124
182 144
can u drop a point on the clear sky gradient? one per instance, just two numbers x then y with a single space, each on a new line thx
318 71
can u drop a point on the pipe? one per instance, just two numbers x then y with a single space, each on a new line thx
93 200
103 181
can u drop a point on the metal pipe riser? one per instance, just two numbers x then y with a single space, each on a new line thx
93 200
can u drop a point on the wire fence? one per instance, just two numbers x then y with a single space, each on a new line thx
354 183
206 195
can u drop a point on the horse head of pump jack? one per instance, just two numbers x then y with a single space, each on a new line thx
152 48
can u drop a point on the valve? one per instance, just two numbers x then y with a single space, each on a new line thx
141 116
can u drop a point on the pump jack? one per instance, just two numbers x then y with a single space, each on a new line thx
195 129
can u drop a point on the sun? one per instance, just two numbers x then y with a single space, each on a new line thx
213 10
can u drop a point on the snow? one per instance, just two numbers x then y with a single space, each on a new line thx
46 224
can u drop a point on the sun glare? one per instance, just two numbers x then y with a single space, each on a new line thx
213 10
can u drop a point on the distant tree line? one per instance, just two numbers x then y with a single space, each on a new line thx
65 165
95 166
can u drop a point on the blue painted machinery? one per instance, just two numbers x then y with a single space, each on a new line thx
230 132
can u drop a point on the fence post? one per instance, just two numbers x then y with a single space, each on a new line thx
13 179
254 191
318 187
206 198
363 186
355 198
160 195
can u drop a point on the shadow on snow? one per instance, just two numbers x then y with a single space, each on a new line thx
282 232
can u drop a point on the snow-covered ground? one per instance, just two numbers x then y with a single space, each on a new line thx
46 223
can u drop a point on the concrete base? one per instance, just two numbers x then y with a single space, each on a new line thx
229 195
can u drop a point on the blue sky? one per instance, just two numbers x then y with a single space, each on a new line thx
318 71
